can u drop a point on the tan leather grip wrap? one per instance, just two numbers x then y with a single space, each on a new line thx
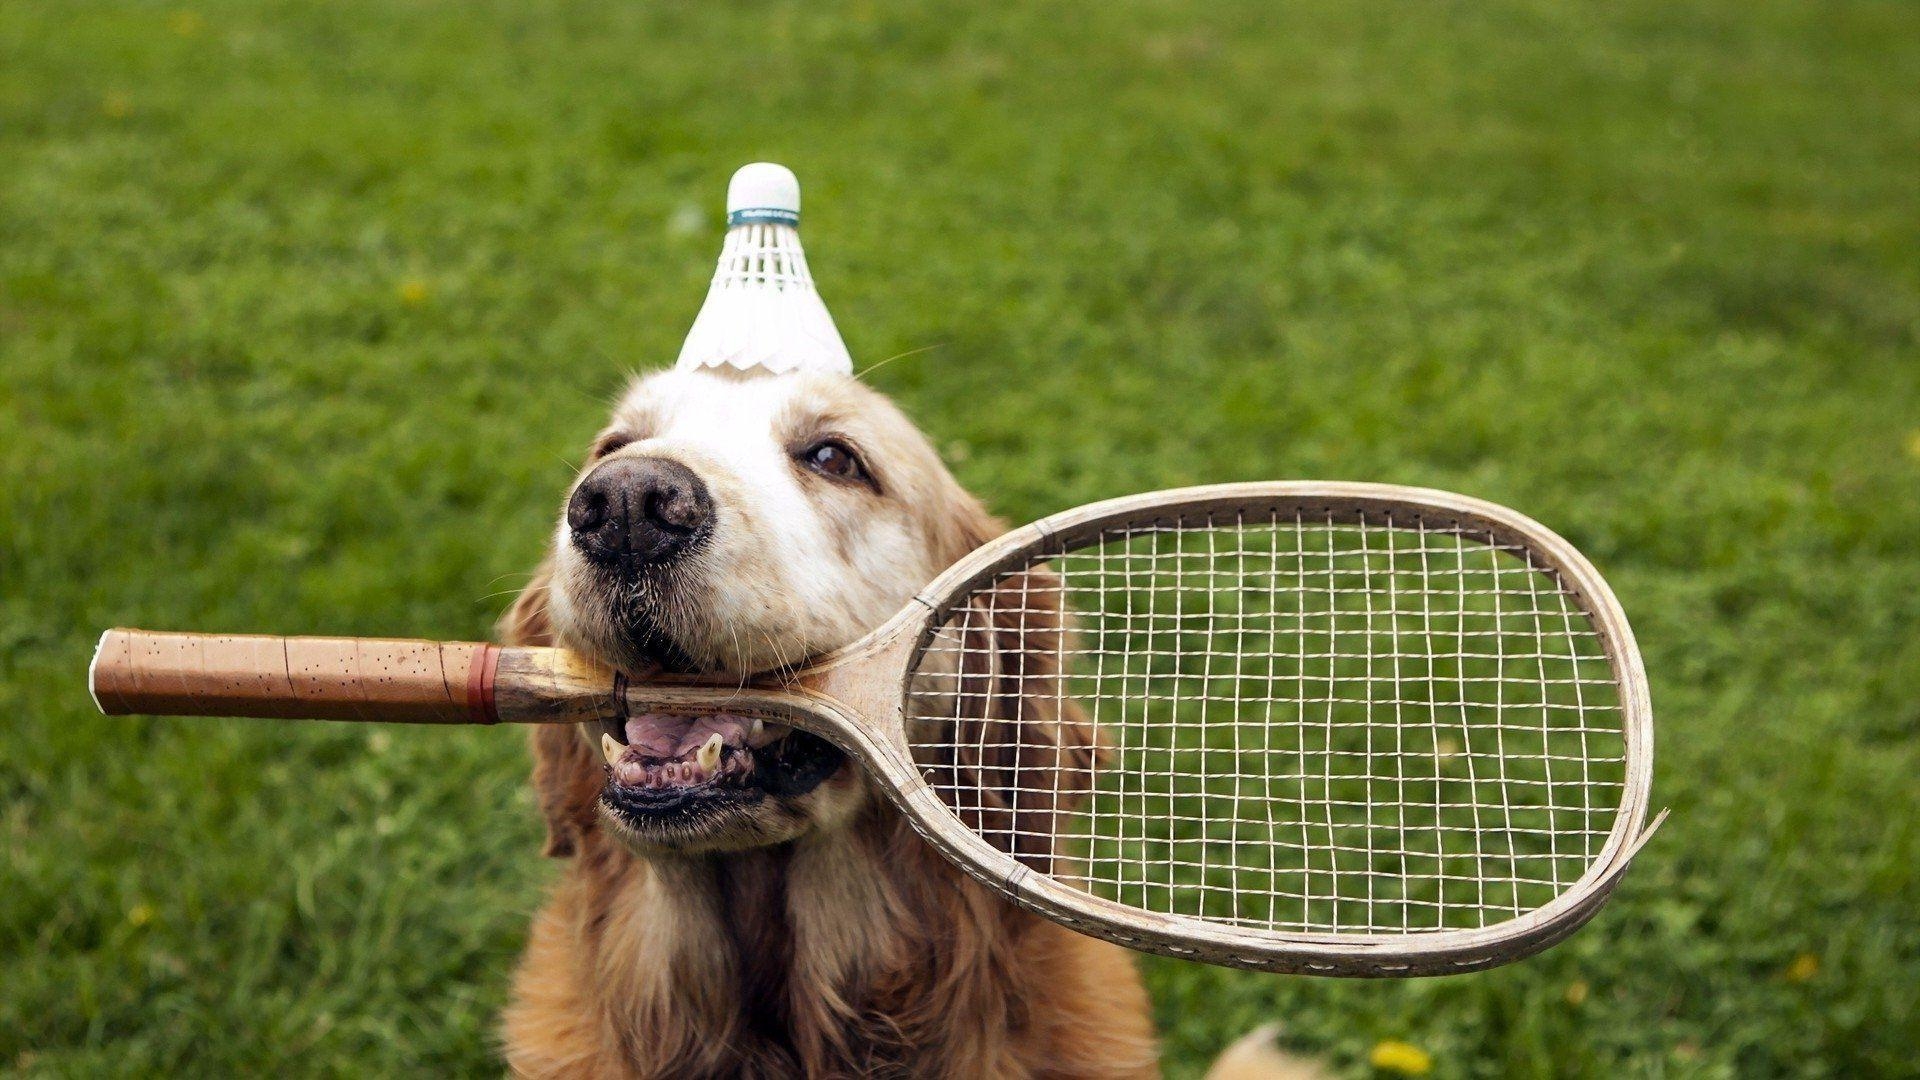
314 678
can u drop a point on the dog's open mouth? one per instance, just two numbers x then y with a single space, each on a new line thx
661 766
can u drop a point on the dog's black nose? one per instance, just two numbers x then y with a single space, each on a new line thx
638 510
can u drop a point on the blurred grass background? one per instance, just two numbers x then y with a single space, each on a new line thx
305 309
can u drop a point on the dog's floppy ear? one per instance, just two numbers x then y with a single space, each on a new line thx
526 622
1030 752
1024 752
566 778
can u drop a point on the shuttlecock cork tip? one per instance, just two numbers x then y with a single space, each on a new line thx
763 192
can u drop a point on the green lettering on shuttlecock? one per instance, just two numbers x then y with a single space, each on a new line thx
763 215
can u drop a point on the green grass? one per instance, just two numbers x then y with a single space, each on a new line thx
304 308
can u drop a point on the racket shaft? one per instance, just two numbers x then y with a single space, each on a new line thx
141 672
317 678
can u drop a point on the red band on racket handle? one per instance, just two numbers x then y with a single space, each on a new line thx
481 675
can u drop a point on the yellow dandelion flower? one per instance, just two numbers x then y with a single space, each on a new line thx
413 292
140 914
1404 1058
116 104
1577 992
1913 444
185 23
1804 967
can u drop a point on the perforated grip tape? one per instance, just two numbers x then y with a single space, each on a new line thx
314 678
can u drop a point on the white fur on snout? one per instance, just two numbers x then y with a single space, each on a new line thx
794 564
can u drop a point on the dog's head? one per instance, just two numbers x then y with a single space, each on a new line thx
730 524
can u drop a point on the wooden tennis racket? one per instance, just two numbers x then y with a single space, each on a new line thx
1343 729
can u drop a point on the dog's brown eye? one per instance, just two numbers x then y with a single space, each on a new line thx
830 457
609 444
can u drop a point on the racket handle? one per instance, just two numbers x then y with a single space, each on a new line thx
315 678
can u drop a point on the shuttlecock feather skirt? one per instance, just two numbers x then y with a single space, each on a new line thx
762 310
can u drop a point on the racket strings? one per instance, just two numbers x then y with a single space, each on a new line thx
1282 721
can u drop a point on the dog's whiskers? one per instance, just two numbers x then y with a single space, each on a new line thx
899 356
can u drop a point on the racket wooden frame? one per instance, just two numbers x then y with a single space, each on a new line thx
855 697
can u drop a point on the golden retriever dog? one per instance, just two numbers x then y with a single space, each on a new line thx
739 901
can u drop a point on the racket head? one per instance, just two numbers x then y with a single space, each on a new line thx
1344 729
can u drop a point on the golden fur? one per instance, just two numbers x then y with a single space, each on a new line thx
839 944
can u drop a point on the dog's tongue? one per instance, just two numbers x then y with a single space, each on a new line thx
669 737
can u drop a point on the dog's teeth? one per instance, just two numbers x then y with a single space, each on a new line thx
709 756
759 728
610 747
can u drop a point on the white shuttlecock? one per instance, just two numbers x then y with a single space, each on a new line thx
762 310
